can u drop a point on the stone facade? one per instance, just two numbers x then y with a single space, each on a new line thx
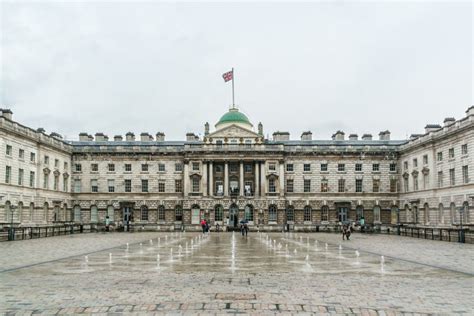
234 173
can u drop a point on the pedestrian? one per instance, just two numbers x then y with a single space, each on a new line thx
107 223
207 227
242 229
344 232
246 228
362 224
217 227
348 232
203 225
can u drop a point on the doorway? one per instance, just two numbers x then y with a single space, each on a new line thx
342 214
127 217
234 216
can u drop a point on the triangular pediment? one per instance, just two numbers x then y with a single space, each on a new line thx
233 131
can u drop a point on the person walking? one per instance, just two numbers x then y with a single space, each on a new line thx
246 229
107 223
344 232
362 224
203 225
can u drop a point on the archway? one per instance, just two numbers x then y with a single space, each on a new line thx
234 215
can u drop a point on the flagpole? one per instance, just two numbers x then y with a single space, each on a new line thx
233 79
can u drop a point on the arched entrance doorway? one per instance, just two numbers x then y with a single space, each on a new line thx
233 215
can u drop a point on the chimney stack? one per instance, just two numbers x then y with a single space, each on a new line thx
470 110
83 137
190 137
339 135
100 137
431 127
353 137
384 135
367 137
130 137
307 135
160 137
281 136
6 113
448 121
118 138
145 137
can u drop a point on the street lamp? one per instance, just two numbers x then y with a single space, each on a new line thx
12 210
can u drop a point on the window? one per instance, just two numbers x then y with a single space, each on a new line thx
341 167
405 165
452 180
77 185
9 150
78 167
65 184
464 149
359 212
144 167
341 185
271 167
358 167
219 213
405 184
128 185
248 212
415 182
248 188
307 185
307 167
307 213
56 183
20 176
440 179
271 185
272 213
195 166
465 174
110 212
111 185
324 185
289 185
161 213
94 214
46 160
425 159
65 165
248 168
196 184
376 185
415 163
393 167
161 167
94 167
451 153
94 186
32 157
325 213
178 167
377 214
144 213
21 154
358 185
218 168
111 167
178 213
77 213
178 186
290 214
46 181
324 167
233 168
439 156
56 163
289 167
426 181
219 143
128 167
161 186
144 185
248 143
393 185
375 167
32 179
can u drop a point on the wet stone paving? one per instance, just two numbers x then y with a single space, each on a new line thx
226 273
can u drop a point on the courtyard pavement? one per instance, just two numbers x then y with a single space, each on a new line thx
225 273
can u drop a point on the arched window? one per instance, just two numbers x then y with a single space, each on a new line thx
325 213
144 213
196 214
290 213
111 213
178 213
94 214
161 213
415 213
395 214
77 213
359 212
32 210
441 214
56 213
272 213
249 212
307 213
219 213
465 213
407 213
20 211
8 213
452 213
427 213
46 211
377 214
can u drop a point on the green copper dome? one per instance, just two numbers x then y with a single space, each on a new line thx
234 116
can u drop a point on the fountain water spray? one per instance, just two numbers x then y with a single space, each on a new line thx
86 259
110 257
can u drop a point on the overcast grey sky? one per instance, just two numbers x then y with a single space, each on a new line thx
115 67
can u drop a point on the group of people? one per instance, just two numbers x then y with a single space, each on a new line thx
244 228
346 232
205 226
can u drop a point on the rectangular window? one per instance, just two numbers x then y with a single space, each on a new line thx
65 185
32 157
271 167
341 185
439 156
178 186
65 165
341 167
94 185
111 167
195 166
324 167
415 163
358 185
32 179
78 167
307 185
393 185
161 167
289 185
289 167
20 176
56 183
375 167
324 214
128 167
324 186
393 167
56 163
46 160
248 188
465 174
144 167
161 213
111 185
358 167
375 185
21 154
77 185
248 168
161 186
144 215
128 185
415 183
144 185
94 167
464 149
405 165
9 150
405 184
196 184
46 181
178 167
271 185
425 159
307 214
451 153
248 143
426 181
219 143
452 179
440 179
307 167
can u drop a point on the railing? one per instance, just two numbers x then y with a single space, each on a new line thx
22 233
442 234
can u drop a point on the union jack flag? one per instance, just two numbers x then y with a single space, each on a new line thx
228 76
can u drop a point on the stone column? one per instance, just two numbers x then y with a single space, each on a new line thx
211 179
257 176
282 178
204 179
226 179
241 179
186 179
263 184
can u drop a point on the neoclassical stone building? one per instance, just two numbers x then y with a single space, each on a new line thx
235 173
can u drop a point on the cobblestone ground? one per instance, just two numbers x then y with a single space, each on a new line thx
230 274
